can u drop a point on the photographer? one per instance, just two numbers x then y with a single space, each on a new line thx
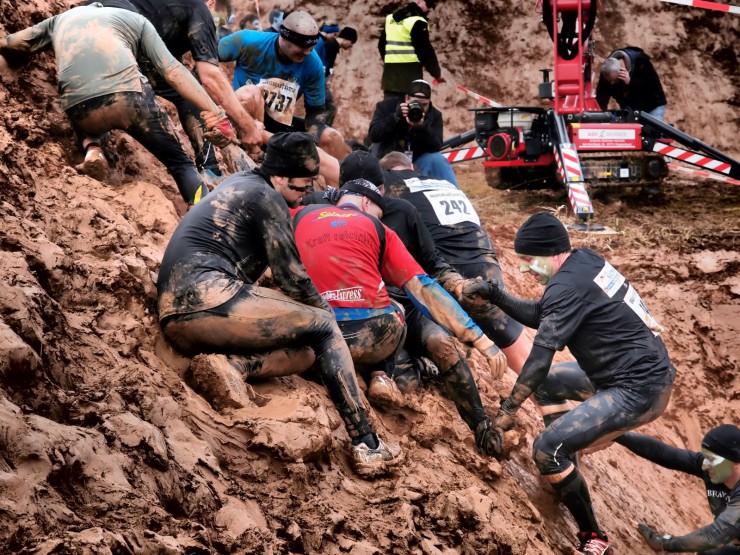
412 125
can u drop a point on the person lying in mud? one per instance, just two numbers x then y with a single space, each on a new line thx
102 87
424 337
208 302
456 231
622 374
718 465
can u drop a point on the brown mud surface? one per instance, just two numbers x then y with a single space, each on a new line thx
105 448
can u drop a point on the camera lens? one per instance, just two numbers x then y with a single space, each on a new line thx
416 112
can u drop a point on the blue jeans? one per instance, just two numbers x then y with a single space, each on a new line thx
658 113
434 164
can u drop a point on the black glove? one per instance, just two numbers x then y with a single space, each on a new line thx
654 539
478 291
489 441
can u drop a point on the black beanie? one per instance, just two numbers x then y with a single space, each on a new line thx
724 441
361 165
541 235
291 155
348 33
364 188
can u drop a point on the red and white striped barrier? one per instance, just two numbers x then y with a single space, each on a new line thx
691 157
706 5
701 173
572 163
464 154
474 95
571 173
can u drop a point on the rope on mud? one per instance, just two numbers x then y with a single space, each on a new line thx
472 94
701 173
704 4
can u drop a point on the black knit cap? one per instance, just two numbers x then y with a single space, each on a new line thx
364 188
541 235
724 441
291 155
419 87
361 165
348 33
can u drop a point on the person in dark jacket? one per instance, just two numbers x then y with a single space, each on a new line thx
411 124
405 48
718 465
628 76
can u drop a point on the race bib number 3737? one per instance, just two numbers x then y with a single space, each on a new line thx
280 98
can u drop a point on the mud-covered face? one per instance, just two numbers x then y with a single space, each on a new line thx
540 266
294 189
294 52
718 468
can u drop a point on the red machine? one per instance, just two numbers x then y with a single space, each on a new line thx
574 141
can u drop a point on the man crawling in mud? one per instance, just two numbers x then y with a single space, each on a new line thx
209 303
622 373
103 88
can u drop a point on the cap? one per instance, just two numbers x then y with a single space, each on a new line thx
542 234
291 155
361 165
349 34
724 441
366 189
420 88
330 27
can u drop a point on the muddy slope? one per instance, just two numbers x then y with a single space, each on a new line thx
104 448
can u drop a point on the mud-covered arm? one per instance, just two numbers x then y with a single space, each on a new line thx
662 454
438 305
533 374
29 40
722 531
525 311
288 273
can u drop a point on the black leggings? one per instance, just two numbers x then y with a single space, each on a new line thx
139 115
602 415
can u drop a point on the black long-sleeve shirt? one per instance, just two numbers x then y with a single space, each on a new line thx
723 501
644 91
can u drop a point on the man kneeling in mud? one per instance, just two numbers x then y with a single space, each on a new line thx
208 302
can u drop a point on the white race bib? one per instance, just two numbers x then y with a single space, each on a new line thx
280 98
610 281
452 207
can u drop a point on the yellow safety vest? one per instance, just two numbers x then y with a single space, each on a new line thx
398 47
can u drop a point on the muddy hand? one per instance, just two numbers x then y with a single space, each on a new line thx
506 416
488 440
497 362
251 138
477 290
218 129
654 539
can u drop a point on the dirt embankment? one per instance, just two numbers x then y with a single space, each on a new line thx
104 448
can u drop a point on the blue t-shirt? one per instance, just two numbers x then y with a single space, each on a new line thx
257 62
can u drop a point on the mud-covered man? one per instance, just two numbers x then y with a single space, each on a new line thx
273 70
622 374
208 302
436 341
102 87
718 465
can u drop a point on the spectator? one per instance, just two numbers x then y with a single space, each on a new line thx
628 76
412 125
250 22
328 47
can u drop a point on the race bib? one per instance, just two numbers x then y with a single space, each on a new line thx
611 281
280 98
452 207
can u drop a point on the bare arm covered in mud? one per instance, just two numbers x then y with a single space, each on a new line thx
218 87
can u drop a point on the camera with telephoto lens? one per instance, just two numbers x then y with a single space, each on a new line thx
415 112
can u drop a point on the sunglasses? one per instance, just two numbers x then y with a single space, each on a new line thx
711 459
303 189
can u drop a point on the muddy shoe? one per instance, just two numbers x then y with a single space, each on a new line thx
95 165
593 544
218 381
369 462
383 391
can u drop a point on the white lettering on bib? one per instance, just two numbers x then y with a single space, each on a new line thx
610 281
